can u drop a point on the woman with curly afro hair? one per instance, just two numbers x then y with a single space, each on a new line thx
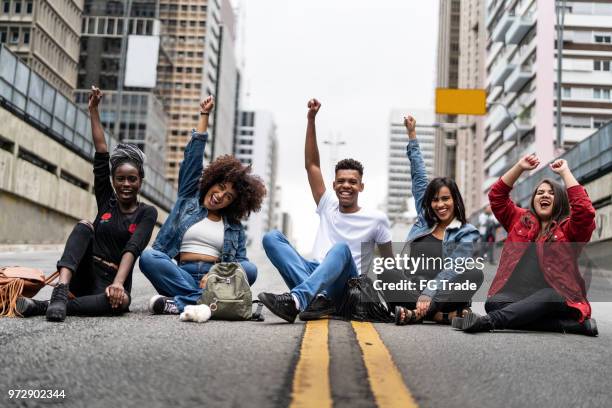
204 224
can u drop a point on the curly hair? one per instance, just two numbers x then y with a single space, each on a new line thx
350 164
250 189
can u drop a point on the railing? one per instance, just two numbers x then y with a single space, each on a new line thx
588 159
41 105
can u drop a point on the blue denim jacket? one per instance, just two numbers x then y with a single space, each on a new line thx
187 210
459 240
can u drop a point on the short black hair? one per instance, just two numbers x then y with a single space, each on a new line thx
432 189
350 164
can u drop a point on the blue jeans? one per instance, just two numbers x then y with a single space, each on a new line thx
181 281
306 278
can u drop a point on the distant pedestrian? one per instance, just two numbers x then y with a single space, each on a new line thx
204 224
538 285
98 259
487 227
440 233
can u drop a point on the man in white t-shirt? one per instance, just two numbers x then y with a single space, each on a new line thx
344 243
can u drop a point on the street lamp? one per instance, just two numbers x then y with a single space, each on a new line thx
560 26
511 116
334 144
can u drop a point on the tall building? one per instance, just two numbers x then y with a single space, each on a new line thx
136 114
45 35
447 76
521 76
256 144
201 37
469 173
399 184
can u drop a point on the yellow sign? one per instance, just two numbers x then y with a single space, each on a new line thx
461 101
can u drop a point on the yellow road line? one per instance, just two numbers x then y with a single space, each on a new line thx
385 379
311 386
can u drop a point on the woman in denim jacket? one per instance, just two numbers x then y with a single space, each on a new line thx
203 226
440 232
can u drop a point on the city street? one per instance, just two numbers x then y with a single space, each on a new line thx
144 360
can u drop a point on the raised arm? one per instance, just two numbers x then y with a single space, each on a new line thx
97 131
418 172
193 157
504 209
582 213
311 153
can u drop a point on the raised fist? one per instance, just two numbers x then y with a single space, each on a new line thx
529 162
207 104
410 124
313 107
559 166
95 97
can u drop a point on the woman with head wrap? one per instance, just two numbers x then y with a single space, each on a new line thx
97 263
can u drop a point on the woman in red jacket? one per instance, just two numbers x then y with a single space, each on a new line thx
538 285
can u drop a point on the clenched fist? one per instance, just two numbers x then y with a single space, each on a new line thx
313 107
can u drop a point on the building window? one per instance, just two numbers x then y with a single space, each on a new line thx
599 93
29 7
26 36
2 35
6 6
599 65
18 7
603 39
14 36
567 92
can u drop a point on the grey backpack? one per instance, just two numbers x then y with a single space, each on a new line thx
227 292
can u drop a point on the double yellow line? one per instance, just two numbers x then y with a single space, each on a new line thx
311 385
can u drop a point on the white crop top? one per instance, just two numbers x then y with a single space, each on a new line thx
204 237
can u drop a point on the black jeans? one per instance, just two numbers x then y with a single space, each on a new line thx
445 300
89 278
543 310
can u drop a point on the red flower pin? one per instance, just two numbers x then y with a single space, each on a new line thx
132 228
106 216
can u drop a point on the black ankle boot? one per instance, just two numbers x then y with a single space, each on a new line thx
587 327
474 323
27 307
56 311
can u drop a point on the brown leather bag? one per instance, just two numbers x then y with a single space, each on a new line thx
18 281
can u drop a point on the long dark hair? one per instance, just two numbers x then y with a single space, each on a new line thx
561 207
432 189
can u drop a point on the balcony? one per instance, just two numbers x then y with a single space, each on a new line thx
518 30
502 26
500 72
498 119
518 79
510 133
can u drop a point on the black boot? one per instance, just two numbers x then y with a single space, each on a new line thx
474 323
587 327
27 307
56 311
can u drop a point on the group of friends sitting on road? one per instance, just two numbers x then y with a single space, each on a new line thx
537 286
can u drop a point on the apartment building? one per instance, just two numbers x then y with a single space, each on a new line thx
136 114
447 76
200 36
400 203
521 78
256 145
45 35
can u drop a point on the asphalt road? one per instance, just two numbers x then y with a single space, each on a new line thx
153 361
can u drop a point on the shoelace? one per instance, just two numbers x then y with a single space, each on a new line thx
60 293
170 306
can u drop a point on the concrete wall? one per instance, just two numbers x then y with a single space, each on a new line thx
38 206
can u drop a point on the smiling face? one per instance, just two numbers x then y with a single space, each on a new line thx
127 183
543 201
347 186
443 205
219 196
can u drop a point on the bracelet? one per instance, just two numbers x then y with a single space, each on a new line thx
204 113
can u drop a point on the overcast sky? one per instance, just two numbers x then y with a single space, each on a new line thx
360 58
